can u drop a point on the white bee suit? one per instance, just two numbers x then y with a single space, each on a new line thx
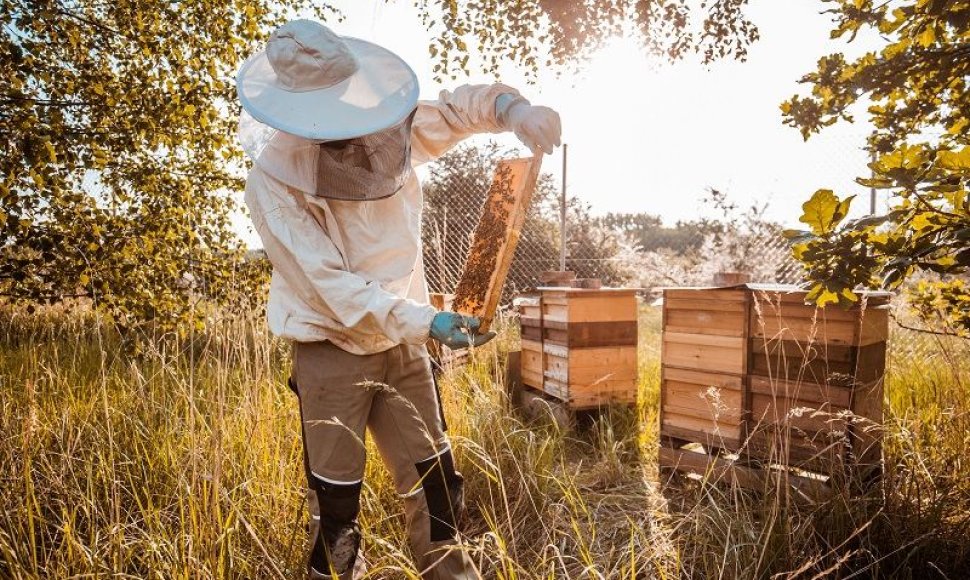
351 272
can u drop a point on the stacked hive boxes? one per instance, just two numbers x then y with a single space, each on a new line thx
754 371
580 345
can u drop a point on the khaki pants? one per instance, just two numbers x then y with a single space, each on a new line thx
393 395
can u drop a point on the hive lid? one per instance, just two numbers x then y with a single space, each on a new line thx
776 288
572 290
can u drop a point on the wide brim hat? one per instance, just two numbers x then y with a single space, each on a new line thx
312 83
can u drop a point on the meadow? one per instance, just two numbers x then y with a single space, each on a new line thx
185 461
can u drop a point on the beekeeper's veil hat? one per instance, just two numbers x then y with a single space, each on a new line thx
310 85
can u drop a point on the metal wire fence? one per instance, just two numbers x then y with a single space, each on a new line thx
630 250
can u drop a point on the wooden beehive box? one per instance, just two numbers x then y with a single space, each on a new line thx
752 371
580 345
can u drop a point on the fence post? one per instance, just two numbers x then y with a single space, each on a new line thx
872 190
562 215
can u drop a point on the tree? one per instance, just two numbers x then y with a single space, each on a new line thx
540 33
118 123
920 110
649 234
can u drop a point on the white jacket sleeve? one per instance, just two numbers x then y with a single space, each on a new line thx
440 125
305 256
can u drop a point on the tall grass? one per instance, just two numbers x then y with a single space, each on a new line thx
185 462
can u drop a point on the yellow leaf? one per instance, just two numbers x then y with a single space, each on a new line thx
38 179
84 279
849 295
956 160
958 127
827 297
188 110
921 221
50 151
906 157
946 261
927 37
824 211
97 88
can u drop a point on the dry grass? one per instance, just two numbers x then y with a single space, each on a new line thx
187 464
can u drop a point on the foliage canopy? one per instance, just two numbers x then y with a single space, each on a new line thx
541 33
919 105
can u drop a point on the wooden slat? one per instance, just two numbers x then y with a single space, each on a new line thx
611 385
705 379
804 329
805 415
594 307
531 360
769 306
615 357
721 295
555 350
588 306
709 428
617 398
874 326
552 312
698 304
817 452
866 432
531 378
704 352
699 321
727 437
704 340
535 345
495 238
716 404
590 334
807 391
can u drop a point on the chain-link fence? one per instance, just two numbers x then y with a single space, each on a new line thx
633 249
628 249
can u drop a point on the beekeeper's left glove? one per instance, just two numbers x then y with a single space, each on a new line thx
539 128
458 331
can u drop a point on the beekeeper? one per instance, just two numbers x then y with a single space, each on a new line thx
334 128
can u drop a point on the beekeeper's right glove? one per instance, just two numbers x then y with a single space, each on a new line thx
458 331
539 128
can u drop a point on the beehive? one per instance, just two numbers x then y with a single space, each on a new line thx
752 372
580 345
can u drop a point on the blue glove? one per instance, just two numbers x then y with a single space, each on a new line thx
457 331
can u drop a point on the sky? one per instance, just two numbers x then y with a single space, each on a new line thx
650 136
